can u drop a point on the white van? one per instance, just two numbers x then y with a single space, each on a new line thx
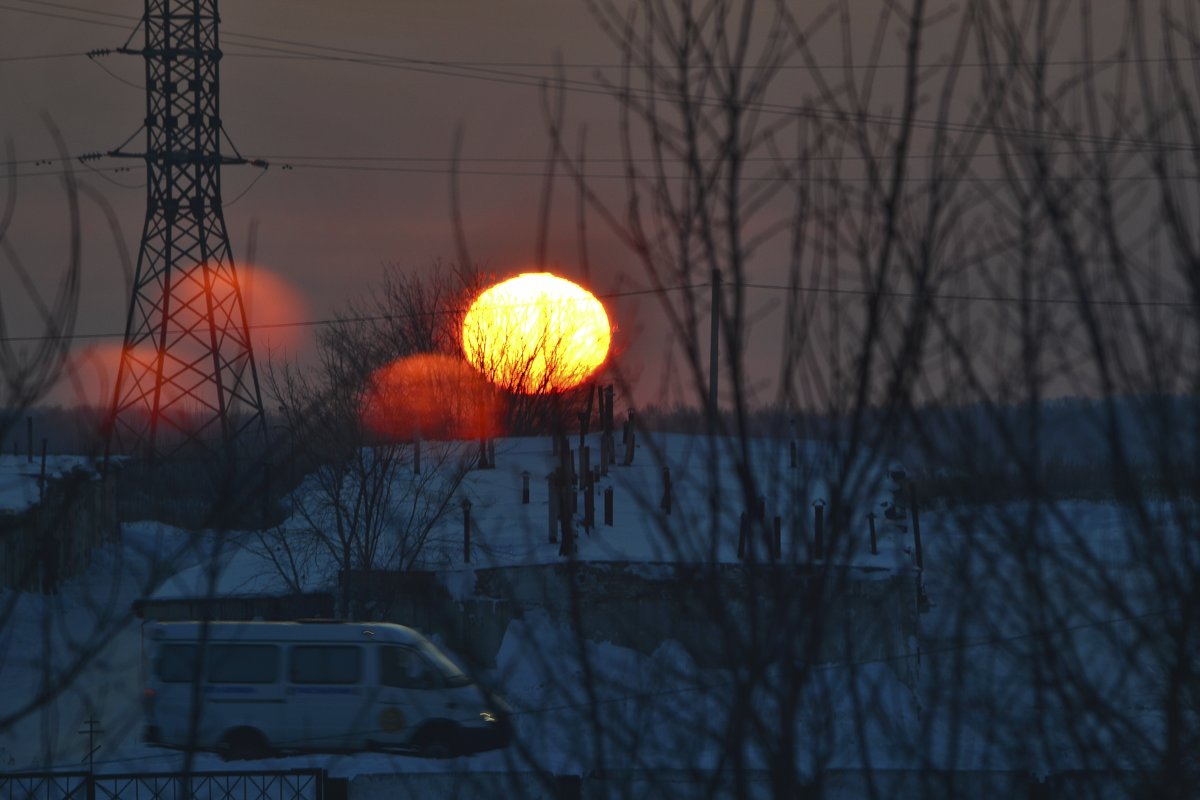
271 687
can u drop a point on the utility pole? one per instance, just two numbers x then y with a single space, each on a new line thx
92 729
187 383
714 351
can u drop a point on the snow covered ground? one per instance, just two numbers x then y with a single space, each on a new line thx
82 647
20 478
507 532
1004 585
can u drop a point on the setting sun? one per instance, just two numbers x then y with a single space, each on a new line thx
536 334
429 396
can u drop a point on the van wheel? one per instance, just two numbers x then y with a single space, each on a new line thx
439 740
241 744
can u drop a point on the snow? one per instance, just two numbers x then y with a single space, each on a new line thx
229 570
661 711
20 478
507 532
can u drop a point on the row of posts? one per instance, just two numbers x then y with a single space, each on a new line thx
566 477
563 502
816 548
563 506
16 451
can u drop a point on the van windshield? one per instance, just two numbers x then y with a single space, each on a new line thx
451 674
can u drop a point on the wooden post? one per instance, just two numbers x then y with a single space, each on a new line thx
742 536
607 447
566 462
466 507
566 545
555 499
874 544
525 488
483 461
819 530
608 410
777 540
417 456
585 465
608 506
666 495
916 523
585 416
630 440
42 479
601 413
491 453
589 509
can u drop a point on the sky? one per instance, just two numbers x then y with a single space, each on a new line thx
356 107
326 222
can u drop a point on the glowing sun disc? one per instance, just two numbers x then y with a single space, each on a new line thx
536 333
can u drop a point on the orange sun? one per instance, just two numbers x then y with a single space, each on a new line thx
429 395
536 334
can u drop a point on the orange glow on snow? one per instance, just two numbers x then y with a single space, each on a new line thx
536 334
429 395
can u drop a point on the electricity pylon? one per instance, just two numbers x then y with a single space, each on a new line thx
187 384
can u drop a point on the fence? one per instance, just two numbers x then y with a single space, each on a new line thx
53 540
266 785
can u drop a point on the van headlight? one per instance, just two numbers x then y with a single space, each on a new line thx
487 716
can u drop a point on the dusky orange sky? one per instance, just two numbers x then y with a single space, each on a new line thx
359 152
358 123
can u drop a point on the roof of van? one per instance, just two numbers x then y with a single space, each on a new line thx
321 631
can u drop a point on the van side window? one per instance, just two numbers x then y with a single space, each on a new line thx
176 663
405 668
326 664
243 663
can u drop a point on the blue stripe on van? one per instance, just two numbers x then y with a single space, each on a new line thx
322 690
231 689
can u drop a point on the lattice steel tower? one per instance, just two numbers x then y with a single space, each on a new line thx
187 383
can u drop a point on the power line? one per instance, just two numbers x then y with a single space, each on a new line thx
466 70
376 164
84 9
590 87
972 298
292 158
975 298
1071 62
40 57
344 320
58 173
750 178
463 70
52 15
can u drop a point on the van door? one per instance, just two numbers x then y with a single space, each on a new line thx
409 693
326 697
243 689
